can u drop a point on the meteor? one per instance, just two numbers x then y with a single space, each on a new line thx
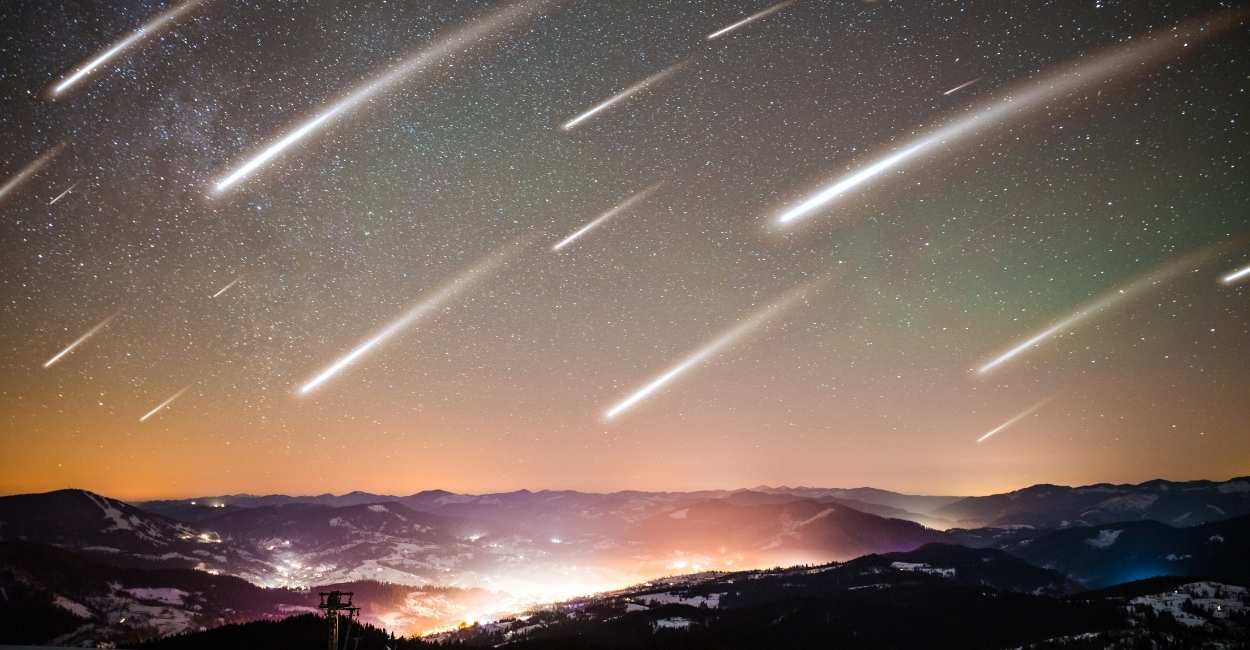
1099 305
148 29
79 341
62 194
625 94
1235 276
750 19
722 342
960 87
29 170
227 287
454 43
1016 104
162 405
427 307
597 221
1020 416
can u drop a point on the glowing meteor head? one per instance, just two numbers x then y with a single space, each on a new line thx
1020 416
29 170
624 94
1236 276
79 341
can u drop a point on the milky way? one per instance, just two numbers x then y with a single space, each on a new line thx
485 245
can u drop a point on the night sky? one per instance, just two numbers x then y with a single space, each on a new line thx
862 328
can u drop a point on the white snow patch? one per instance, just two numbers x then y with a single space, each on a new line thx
77 609
674 623
679 514
377 507
921 567
1104 538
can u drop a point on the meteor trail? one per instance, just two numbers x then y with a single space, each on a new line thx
960 87
62 194
1235 276
1015 104
29 170
1020 416
162 405
227 287
149 28
716 345
597 221
78 341
418 312
750 19
1100 304
454 43
625 94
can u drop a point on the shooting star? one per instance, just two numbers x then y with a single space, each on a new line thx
1236 276
597 221
750 19
29 170
1026 97
160 407
454 43
427 307
150 28
1020 416
960 87
62 194
227 287
79 341
722 342
625 94
1101 304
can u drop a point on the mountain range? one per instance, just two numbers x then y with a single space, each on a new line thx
434 559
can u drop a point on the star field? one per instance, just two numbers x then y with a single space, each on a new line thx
930 270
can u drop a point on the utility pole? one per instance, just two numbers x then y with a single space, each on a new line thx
338 604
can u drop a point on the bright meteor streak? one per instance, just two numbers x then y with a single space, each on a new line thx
79 341
625 94
597 221
148 29
227 287
427 307
1100 305
1020 416
160 407
63 194
960 87
715 346
452 44
1017 103
750 19
29 170
1236 276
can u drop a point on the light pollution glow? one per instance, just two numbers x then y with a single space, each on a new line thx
1018 103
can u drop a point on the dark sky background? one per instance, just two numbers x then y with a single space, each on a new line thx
934 268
